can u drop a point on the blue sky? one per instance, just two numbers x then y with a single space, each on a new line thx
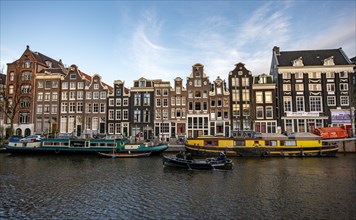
127 40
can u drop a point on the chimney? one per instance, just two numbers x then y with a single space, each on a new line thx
27 47
276 50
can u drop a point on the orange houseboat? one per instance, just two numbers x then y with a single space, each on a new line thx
266 145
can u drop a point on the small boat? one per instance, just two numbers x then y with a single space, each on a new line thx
198 164
124 155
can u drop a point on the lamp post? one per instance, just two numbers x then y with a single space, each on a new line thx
353 121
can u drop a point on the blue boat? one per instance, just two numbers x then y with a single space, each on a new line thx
83 146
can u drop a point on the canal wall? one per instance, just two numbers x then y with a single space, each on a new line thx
347 146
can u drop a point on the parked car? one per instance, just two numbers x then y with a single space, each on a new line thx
31 138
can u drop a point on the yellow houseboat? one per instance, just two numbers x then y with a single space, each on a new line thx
298 144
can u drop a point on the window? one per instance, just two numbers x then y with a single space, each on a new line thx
146 116
111 102
55 83
235 95
315 104
299 87
54 108
26 76
286 75
39 109
330 75
11 89
80 85
72 95
95 108
118 102
268 97
197 82
137 116
165 102
95 95
259 97
126 114
54 96
96 86
343 74
246 109
80 107
234 81
137 99
118 114
40 84
40 96
165 92
331 101
47 96
71 107
289 125
111 128
25 103
72 85
46 109
158 92
245 94
88 107
178 90
269 112
142 83
24 118
12 76
25 89
64 107
102 95
315 75
344 87
118 91
299 75
219 90
146 99
330 87
286 87
315 87
259 112
111 114
65 85
158 102
64 95
245 81
173 101
197 94
102 107
89 95
287 103
300 103
126 102
344 100
73 76
48 84
301 125
183 100
80 94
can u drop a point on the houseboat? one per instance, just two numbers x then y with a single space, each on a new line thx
265 145
83 146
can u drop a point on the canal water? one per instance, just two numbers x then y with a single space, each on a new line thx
90 187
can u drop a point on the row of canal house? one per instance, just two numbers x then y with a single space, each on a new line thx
304 90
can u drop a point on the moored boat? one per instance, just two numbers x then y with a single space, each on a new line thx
300 145
221 163
83 146
124 155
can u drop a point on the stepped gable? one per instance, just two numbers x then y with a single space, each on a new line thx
312 57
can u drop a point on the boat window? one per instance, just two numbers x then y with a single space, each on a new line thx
66 144
111 144
93 144
102 145
288 143
240 143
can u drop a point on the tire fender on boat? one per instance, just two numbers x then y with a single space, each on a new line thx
122 144
56 151
265 153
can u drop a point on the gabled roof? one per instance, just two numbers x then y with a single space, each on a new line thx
41 58
52 70
313 57
89 78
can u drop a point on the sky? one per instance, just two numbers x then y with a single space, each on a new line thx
127 40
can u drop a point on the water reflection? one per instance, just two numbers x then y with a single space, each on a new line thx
136 188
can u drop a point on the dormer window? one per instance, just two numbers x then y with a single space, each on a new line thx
142 83
329 61
49 64
298 62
